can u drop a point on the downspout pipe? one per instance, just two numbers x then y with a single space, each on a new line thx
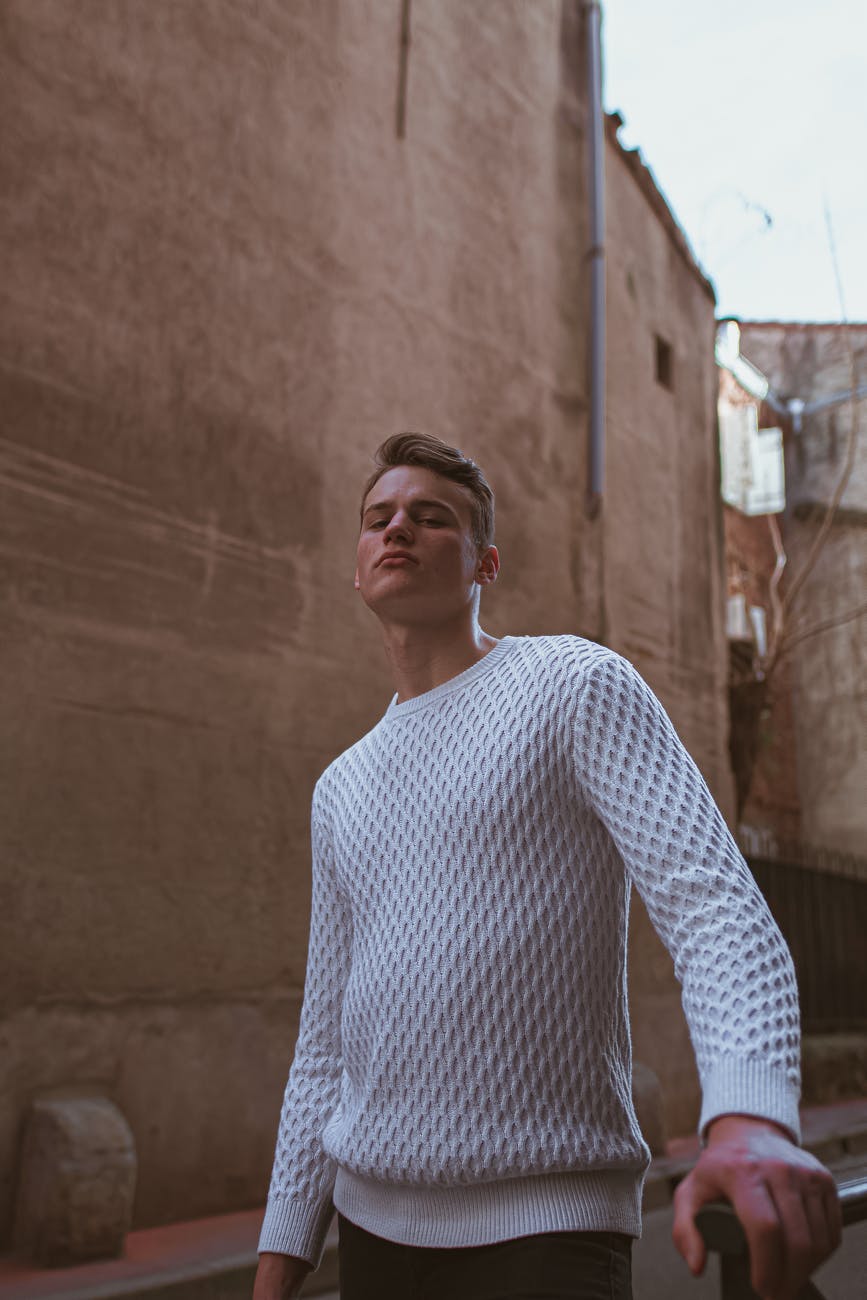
596 257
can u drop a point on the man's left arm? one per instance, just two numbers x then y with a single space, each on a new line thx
739 990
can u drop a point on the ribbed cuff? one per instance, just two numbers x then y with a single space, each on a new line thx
743 1086
292 1227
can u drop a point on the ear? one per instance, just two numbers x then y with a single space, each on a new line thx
357 581
488 566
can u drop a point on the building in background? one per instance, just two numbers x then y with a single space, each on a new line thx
818 375
240 246
753 488
797 598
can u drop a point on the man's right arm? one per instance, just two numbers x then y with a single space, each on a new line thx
299 1206
279 1277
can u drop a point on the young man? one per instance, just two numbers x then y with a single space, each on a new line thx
460 1090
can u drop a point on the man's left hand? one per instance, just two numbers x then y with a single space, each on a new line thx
785 1199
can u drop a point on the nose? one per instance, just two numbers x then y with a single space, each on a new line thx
398 527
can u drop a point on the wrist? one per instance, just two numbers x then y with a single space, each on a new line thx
725 1128
279 1277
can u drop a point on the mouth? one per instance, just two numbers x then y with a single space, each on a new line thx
396 557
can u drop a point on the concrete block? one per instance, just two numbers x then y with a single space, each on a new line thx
834 1067
77 1181
647 1100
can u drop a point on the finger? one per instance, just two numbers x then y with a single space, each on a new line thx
800 1249
755 1207
686 1236
821 1236
809 1210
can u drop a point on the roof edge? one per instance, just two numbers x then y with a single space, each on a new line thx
655 195
800 324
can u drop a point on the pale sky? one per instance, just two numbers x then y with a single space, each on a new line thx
752 115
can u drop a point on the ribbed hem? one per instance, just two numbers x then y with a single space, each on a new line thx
743 1086
607 1200
293 1227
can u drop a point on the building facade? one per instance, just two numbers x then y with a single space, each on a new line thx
241 245
819 374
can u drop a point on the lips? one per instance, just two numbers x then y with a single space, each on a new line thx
396 555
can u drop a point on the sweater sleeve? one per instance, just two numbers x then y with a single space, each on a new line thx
299 1207
737 976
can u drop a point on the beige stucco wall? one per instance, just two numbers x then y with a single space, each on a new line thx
827 669
224 279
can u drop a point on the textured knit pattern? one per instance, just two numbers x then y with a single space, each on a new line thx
464 1020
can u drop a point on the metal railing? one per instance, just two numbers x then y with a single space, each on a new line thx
823 917
723 1234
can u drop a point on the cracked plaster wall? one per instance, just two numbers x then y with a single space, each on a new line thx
224 280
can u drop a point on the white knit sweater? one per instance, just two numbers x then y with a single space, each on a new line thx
462 1071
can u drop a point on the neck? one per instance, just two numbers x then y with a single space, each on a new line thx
422 658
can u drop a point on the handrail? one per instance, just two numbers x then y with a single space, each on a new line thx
723 1233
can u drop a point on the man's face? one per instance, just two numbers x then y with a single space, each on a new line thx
417 560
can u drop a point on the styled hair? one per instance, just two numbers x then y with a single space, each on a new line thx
431 453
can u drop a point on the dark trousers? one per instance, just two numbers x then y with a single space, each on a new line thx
548 1266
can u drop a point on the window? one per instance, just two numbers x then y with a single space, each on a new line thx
664 363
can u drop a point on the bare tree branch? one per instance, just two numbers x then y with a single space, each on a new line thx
777 613
795 638
851 446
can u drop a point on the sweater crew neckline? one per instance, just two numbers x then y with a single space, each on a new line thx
457 683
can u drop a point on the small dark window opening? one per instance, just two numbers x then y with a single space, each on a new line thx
664 363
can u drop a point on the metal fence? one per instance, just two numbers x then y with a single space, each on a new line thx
821 908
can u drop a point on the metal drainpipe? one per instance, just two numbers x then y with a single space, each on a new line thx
596 254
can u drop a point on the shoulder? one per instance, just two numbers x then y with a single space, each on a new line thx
342 777
567 662
594 684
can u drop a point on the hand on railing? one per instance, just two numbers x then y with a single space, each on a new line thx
722 1233
785 1200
